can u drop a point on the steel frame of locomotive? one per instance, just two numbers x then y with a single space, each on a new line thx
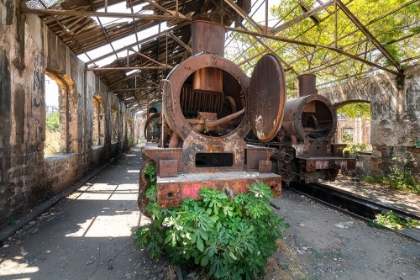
209 107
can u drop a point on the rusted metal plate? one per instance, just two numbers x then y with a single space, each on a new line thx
320 163
171 192
169 195
311 165
168 168
158 154
337 149
255 155
266 97
265 166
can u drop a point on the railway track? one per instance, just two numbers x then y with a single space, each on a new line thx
352 204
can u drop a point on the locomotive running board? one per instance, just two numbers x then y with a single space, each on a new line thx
172 191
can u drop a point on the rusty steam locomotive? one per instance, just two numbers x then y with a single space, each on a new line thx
305 148
209 107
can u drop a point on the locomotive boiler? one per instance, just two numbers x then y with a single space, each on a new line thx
305 149
209 105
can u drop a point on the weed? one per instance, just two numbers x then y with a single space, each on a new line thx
390 220
232 240
12 222
397 179
402 180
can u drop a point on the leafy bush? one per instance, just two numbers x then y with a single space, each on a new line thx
389 219
230 238
402 180
398 179
53 122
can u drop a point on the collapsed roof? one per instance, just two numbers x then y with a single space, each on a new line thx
133 44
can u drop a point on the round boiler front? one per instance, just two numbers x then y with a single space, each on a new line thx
310 117
205 89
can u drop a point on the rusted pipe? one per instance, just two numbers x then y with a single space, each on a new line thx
231 103
173 143
212 124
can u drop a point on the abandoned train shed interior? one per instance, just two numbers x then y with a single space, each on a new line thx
106 59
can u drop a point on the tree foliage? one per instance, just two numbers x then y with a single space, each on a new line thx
53 122
355 110
397 31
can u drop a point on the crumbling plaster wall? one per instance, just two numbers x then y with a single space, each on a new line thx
395 119
27 50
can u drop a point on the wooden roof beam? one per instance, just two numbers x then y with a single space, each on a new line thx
101 14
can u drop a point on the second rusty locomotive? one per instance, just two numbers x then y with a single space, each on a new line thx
305 148
209 106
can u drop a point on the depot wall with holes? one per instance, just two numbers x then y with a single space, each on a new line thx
28 51
395 120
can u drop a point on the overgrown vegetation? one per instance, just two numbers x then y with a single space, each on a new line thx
52 134
398 179
390 220
230 238
353 149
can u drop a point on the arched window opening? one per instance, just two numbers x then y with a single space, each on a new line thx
53 125
114 127
98 128
353 126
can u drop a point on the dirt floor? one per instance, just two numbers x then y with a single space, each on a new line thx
89 235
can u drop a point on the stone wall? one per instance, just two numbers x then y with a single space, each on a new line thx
395 119
29 50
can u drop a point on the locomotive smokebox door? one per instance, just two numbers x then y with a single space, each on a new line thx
266 97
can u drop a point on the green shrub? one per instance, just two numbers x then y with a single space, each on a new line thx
230 238
52 122
390 220
402 180
398 179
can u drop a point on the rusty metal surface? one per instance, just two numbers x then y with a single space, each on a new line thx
318 126
319 163
255 154
171 192
208 79
207 37
158 154
193 101
171 97
168 168
338 149
266 97
198 143
265 166
307 84
319 149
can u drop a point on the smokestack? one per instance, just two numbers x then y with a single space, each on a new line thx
207 37
307 84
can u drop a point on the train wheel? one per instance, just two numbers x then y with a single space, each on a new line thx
288 172
142 200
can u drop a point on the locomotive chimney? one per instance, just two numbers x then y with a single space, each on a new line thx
307 84
208 38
